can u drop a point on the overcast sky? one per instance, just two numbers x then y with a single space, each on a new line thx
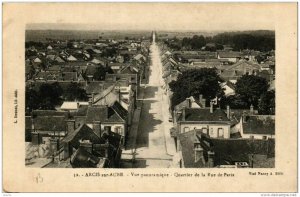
159 16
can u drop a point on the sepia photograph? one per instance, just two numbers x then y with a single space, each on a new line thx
101 99
133 93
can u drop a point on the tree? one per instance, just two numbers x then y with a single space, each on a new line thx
50 95
266 104
194 82
75 92
250 88
234 101
32 99
101 72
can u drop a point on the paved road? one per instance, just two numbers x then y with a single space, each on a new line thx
151 148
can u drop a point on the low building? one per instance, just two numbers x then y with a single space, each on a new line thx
213 122
258 126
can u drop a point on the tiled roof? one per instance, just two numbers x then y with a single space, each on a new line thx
72 105
69 76
187 140
107 97
195 114
241 65
50 123
185 104
117 107
83 132
229 54
228 151
97 113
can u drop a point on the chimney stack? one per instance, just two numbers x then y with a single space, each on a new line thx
202 100
210 162
54 144
183 114
106 148
188 101
211 107
198 151
174 116
251 110
228 111
93 96
97 128
70 126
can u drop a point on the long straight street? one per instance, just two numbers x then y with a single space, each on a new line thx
154 148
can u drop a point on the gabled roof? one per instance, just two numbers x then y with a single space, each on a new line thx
242 64
139 56
115 113
96 61
72 105
229 151
83 132
71 58
97 113
185 103
107 97
129 70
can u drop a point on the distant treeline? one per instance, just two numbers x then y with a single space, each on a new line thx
253 40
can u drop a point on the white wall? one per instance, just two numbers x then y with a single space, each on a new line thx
212 128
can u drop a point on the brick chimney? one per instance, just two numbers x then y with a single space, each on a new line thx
35 138
93 97
198 151
53 145
202 100
106 148
174 117
90 103
228 112
189 103
210 162
70 126
211 107
251 110
183 114
97 128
